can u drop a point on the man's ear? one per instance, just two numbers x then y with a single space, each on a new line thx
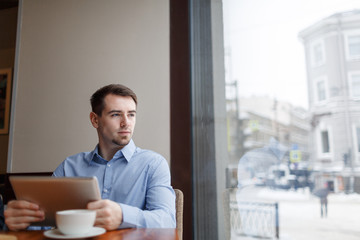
94 119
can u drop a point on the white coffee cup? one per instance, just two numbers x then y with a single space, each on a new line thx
75 222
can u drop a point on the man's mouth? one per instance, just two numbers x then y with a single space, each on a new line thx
124 132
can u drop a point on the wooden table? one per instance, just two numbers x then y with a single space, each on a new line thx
123 234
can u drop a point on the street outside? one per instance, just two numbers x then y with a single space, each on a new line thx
300 218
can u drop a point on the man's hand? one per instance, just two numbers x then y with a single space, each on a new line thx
108 214
20 214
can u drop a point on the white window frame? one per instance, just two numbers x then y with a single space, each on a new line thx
315 63
350 81
321 154
316 95
348 34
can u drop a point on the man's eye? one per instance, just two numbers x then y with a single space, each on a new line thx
115 115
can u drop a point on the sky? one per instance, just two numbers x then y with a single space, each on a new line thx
267 56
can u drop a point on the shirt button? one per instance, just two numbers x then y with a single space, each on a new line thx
108 165
105 190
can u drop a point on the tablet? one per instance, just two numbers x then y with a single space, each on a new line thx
55 193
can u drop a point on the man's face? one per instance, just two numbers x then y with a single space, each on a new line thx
116 124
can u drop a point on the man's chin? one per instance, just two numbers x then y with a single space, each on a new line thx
121 143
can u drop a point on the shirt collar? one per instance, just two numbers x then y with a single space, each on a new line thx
127 152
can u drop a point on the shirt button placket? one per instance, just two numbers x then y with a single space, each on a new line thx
107 181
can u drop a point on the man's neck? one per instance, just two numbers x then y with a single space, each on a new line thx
107 153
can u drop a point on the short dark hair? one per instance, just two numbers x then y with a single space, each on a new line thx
97 99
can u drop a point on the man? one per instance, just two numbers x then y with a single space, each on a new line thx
134 183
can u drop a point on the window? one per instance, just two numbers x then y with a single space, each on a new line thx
298 97
358 138
320 89
354 85
317 54
324 142
325 146
354 46
352 41
353 153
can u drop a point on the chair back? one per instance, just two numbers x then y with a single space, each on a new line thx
179 204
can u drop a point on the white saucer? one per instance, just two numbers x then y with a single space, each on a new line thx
56 234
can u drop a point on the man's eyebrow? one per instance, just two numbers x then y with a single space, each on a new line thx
119 111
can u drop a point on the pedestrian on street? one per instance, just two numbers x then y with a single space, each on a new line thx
323 193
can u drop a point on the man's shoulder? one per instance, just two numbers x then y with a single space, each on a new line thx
80 155
76 161
148 155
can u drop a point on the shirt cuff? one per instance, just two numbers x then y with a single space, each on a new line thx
130 216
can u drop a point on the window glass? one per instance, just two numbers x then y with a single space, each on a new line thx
355 85
325 141
358 138
321 91
292 108
317 54
354 46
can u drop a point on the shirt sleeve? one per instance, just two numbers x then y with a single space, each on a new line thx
159 209
59 171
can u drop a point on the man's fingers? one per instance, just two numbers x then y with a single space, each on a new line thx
102 222
24 212
23 204
104 212
18 223
25 220
108 214
97 204
20 214
19 226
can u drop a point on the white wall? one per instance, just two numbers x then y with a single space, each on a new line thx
69 48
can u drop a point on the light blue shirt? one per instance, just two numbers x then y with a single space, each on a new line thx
137 179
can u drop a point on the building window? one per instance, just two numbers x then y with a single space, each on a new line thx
320 90
354 85
358 139
352 41
325 146
317 54
356 144
325 142
354 46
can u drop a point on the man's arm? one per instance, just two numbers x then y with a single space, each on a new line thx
59 171
159 209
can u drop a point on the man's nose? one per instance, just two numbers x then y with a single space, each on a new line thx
124 121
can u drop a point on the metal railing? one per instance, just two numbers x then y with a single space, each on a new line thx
256 219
